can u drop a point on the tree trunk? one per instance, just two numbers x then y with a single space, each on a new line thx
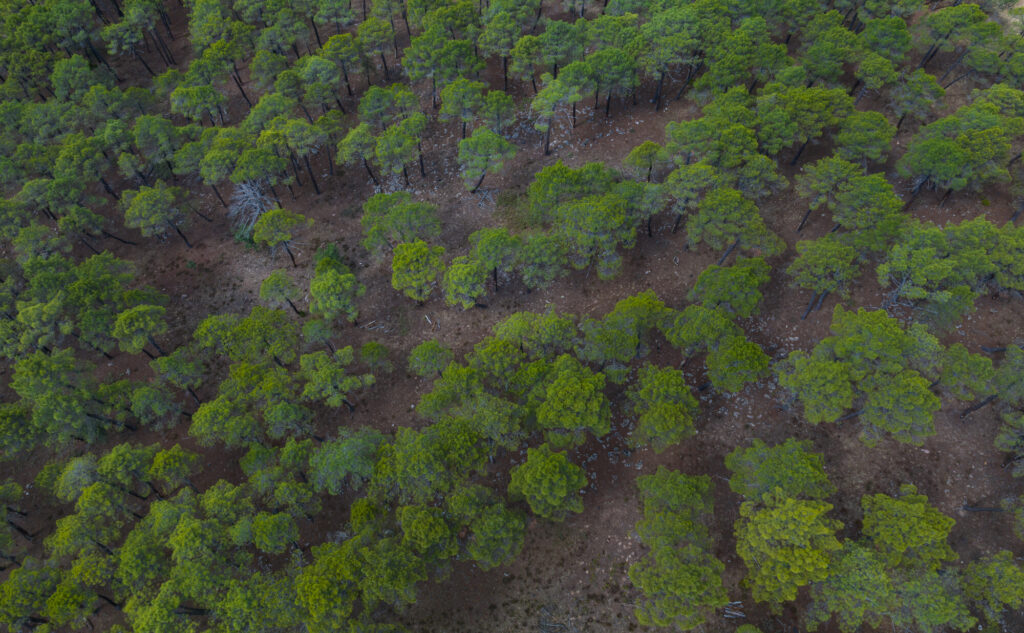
721 260
810 306
295 309
477 186
219 197
547 140
241 90
316 32
290 254
1016 214
107 187
971 409
799 152
144 64
954 65
608 105
348 84
803 220
309 170
156 345
180 234
366 164
90 246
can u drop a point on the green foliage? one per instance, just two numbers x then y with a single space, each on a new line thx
484 151
327 377
278 289
865 136
857 591
276 228
273 533
789 467
152 210
464 282
724 217
334 291
734 361
137 326
994 583
542 260
941 271
870 360
539 335
786 544
664 408
931 602
824 265
1011 440
429 357
549 483
350 457
735 289
906 531
680 578
391 218
574 402
415 268
593 228
967 149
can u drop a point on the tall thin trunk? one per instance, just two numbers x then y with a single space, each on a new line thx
477 186
219 197
180 234
971 409
241 90
728 251
820 300
799 152
366 164
90 246
290 254
803 221
348 84
309 170
810 306
119 239
316 32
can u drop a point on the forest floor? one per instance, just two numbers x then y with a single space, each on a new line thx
571 576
